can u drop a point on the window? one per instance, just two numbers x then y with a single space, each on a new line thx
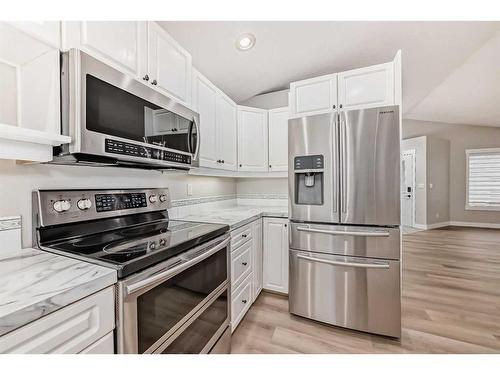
483 179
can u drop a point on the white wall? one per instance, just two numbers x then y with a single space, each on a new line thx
461 137
17 181
275 186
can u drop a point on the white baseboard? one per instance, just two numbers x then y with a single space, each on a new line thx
474 224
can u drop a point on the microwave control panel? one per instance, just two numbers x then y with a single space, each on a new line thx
130 149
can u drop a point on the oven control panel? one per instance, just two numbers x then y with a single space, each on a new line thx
66 206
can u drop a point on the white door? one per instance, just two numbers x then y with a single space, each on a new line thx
205 103
408 189
372 86
276 254
121 44
169 65
227 125
258 263
313 96
252 139
278 139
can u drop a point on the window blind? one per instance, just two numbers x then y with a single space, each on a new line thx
483 179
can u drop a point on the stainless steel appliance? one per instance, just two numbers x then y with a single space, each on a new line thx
114 119
173 276
345 244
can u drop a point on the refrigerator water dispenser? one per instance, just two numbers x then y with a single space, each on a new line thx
309 179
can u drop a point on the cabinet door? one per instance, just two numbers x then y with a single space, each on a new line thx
276 254
313 96
205 103
372 86
121 44
252 139
227 122
257 258
278 139
169 65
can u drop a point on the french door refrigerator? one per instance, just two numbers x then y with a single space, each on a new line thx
344 203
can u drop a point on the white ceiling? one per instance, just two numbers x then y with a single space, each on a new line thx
287 51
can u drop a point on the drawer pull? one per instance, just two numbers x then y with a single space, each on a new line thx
345 264
345 233
244 235
244 300
244 263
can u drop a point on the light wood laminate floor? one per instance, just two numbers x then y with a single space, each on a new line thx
450 304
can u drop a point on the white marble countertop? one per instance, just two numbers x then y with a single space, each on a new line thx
235 216
34 283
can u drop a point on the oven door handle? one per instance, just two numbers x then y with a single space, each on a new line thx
175 270
345 233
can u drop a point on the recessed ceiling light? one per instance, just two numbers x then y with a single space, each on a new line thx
245 42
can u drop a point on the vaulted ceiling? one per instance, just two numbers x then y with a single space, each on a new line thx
448 67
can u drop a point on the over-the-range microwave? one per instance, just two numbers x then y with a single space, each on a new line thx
114 119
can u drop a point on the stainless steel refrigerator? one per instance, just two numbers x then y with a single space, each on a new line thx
344 203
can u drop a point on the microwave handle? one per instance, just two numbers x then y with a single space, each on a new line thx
165 275
197 148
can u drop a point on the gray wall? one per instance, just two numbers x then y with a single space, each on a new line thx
461 137
262 186
270 100
18 180
438 180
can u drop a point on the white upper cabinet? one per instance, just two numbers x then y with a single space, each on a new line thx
252 139
278 139
169 65
205 103
227 123
121 44
313 96
372 86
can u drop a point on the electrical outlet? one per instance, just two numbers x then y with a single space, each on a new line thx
437 215
189 189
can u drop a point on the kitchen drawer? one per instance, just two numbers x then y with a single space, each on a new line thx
373 242
68 330
240 236
241 263
105 345
241 300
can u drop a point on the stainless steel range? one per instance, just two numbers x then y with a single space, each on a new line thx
173 287
345 245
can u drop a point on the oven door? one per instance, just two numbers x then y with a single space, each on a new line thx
108 113
186 296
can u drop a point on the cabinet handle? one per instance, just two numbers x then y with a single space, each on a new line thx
244 235
244 300
146 78
154 82
340 106
218 161
286 225
241 165
244 263
270 166
222 161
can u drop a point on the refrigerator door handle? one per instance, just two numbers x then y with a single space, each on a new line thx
335 163
345 233
342 142
379 265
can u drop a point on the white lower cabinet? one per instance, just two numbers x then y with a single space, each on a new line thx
241 300
70 330
105 345
276 255
257 257
241 263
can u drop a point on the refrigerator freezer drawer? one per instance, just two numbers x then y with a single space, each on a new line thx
356 293
372 242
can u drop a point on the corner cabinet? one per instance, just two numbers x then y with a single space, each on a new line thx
278 139
372 86
275 276
218 123
252 139
169 65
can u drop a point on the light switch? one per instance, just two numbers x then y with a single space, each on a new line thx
189 189
431 186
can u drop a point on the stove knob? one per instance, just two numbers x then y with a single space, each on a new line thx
84 204
163 198
61 205
152 245
153 198
162 242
